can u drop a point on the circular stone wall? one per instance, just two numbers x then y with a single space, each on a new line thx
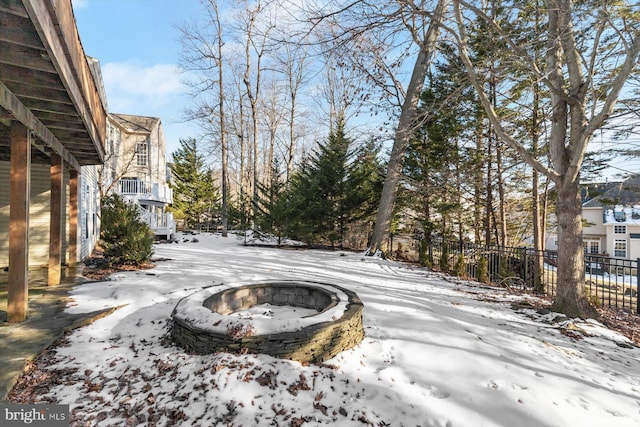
204 322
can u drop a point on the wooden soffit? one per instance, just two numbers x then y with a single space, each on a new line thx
46 82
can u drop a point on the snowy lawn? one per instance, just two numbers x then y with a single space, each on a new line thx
437 352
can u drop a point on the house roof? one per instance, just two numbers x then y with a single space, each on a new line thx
135 124
624 193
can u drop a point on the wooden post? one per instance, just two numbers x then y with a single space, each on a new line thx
73 218
55 222
19 186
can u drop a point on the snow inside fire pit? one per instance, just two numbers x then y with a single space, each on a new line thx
304 321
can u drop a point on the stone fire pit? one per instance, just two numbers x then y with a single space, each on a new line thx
298 320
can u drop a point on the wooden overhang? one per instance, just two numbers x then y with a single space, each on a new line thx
46 83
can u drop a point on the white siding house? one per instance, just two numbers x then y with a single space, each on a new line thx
612 221
138 168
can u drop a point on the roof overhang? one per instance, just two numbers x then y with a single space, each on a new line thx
46 82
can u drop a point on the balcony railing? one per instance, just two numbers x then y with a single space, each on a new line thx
162 224
146 190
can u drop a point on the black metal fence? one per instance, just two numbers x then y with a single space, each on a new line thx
612 282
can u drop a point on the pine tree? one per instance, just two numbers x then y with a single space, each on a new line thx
334 189
364 186
434 163
273 207
125 238
195 194
301 214
318 191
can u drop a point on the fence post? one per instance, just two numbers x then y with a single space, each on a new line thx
525 269
637 286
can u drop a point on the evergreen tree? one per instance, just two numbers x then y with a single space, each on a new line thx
332 170
301 216
195 195
273 207
434 160
334 189
318 191
125 238
364 187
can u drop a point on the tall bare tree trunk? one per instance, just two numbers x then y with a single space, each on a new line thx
488 214
406 123
223 127
478 187
539 213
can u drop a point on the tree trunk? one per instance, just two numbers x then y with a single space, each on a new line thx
538 213
223 129
406 123
570 298
478 186
382 228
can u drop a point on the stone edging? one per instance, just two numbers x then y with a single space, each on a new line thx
336 328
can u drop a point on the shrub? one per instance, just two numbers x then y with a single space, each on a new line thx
125 238
461 268
443 263
483 270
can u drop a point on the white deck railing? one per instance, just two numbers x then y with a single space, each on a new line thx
138 189
162 224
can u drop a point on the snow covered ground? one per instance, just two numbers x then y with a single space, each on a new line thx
438 352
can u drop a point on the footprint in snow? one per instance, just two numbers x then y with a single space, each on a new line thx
437 393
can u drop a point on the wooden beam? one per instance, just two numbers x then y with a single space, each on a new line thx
46 117
37 105
55 125
12 104
55 222
18 30
27 90
56 25
25 57
73 219
14 73
14 6
19 186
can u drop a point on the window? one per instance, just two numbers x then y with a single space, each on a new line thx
620 229
141 154
591 246
620 249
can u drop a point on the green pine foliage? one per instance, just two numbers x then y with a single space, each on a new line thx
434 162
304 213
273 207
125 238
195 195
334 189
364 182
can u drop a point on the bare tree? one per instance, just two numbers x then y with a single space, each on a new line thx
376 39
202 58
119 162
426 42
273 112
255 32
584 74
292 62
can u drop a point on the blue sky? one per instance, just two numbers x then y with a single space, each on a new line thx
137 44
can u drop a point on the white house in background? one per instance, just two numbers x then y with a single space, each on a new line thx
137 168
612 220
